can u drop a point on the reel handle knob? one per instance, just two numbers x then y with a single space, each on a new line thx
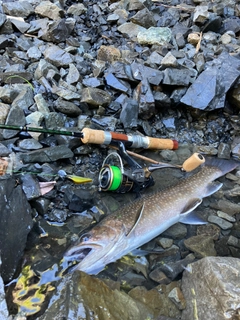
193 162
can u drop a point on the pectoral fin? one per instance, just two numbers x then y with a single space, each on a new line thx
191 205
193 218
189 217
212 188
140 212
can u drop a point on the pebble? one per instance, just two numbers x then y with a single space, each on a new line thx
226 216
201 245
165 242
223 224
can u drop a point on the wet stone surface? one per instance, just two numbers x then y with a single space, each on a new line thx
165 70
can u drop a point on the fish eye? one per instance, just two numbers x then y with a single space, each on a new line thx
85 237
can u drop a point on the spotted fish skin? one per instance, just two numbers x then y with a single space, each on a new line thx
145 218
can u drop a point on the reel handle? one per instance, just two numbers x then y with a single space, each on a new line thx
193 162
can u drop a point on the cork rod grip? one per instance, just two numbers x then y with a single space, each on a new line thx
193 162
162 144
93 136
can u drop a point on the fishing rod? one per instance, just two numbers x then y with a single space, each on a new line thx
88 135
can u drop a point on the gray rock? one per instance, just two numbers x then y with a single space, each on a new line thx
117 84
224 151
201 245
92 82
144 18
18 9
77 9
158 300
15 117
177 231
231 24
46 155
55 120
30 186
169 60
179 77
73 74
223 224
16 74
95 97
4 110
34 54
130 29
17 221
158 276
35 118
201 14
155 58
4 151
8 93
57 31
165 242
155 35
43 69
180 40
49 10
227 206
30 144
129 114
5 41
67 108
234 192
2 19
235 96
24 99
57 56
226 216
66 91
105 122
88 295
21 25
209 283
173 268
143 94
141 72
199 62
41 205
233 241
214 94
3 305
41 104
169 124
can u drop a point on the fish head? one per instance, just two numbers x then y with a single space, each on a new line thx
97 248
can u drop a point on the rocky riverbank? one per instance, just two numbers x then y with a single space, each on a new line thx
165 69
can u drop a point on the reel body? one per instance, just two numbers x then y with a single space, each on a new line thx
120 173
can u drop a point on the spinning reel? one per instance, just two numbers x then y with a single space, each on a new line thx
115 176
121 173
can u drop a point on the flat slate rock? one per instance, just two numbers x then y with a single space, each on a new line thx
16 222
208 92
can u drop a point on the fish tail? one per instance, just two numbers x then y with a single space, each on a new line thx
223 165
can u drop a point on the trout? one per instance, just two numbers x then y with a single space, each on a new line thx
145 218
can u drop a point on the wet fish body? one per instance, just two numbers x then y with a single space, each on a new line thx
145 218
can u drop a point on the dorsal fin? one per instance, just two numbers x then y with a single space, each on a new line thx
140 212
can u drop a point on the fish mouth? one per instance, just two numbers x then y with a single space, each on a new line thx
75 255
